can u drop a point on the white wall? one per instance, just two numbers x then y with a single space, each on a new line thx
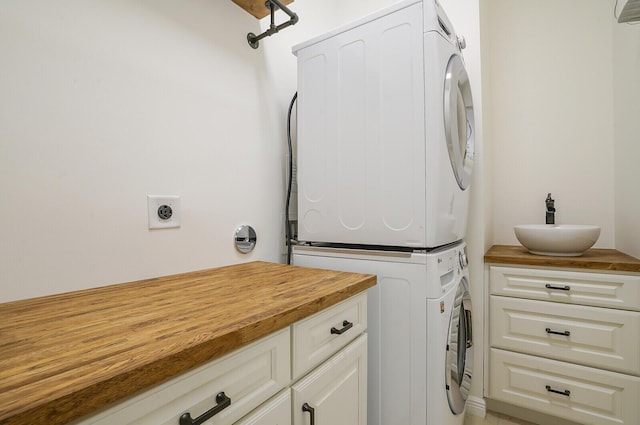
551 109
104 102
626 85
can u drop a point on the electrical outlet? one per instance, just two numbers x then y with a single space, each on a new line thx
164 211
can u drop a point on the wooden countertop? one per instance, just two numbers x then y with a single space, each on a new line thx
593 259
65 356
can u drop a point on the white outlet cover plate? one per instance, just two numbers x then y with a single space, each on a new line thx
156 201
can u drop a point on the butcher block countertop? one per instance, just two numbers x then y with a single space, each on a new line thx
593 259
65 356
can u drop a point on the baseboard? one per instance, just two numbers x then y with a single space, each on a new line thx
525 414
476 406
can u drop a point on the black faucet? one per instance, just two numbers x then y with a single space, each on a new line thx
551 210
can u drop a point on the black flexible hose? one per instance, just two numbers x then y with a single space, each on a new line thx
287 223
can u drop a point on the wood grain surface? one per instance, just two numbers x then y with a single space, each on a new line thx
593 259
257 7
68 355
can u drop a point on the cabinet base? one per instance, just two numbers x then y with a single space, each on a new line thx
525 414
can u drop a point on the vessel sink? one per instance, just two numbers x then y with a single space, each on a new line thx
563 240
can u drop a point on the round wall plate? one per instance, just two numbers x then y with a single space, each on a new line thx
245 238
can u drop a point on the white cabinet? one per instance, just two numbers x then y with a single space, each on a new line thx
334 393
619 291
274 412
254 385
578 393
225 389
566 343
318 337
598 337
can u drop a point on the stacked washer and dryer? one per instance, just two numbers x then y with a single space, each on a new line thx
385 154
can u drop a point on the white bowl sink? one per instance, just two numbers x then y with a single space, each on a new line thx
563 240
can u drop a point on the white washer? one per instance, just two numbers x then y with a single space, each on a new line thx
450 332
420 351
385 131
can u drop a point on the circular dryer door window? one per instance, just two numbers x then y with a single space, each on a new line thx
458 120
459 359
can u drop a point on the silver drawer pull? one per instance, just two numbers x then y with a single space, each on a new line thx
564 333
559 288
565 392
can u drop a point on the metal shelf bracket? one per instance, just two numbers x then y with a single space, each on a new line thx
273 5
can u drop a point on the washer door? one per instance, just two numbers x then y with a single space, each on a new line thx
458 120
459 361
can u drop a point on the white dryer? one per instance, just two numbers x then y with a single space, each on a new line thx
385 131
420 350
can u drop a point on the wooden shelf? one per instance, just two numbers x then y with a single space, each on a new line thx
257 7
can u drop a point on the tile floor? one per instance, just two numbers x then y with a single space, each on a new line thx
493 418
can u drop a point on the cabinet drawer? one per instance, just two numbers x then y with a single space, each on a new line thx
276 411
593 336
596 289
318 337
248 376
593 396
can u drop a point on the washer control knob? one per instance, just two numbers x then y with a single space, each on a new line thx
464 261
462 43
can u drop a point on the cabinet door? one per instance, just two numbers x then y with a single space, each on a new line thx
335 392
276 411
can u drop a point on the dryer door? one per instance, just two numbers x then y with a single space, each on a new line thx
459 361
458 120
